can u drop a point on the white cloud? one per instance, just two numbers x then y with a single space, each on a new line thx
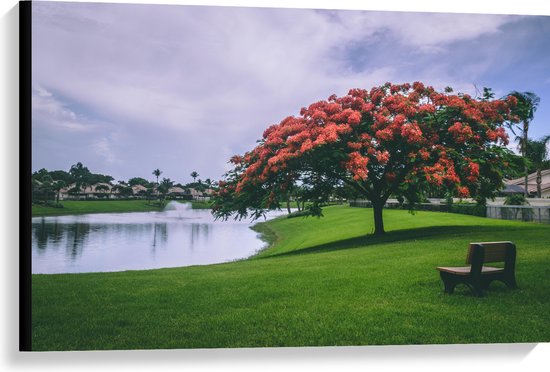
436 31
187 79
49 111
104 149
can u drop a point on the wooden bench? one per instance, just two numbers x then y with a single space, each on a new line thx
478 277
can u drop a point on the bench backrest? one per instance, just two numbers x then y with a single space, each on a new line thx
493 251
479 253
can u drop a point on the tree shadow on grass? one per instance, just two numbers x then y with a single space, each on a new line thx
421 233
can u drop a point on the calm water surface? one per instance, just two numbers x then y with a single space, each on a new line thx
177 236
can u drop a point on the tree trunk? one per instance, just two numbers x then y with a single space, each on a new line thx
288 205
526 181
539 182
524 154
377 208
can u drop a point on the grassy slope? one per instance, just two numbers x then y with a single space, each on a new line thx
101 206
320 284
346 227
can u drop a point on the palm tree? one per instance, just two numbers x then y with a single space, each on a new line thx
525 110
163 189
149 192
537 154
57 186
102 188
81 174
157 172
194 174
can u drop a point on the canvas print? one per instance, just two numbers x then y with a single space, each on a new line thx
229 177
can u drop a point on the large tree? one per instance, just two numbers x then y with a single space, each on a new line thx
81 176
59 175
47 187
140 181
389 140
527 103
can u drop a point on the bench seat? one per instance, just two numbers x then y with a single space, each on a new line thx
466 270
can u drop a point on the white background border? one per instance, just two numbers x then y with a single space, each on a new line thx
412 358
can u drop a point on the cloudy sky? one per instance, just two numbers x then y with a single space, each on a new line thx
128 88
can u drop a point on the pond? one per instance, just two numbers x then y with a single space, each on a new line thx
177 236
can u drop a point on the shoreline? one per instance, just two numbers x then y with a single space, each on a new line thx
78 207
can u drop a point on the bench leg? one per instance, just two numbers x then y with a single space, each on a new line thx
485 284
510 282
477 288
448 282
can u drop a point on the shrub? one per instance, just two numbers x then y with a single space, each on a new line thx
516 199
471 209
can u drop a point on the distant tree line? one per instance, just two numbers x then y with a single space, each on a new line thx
48 185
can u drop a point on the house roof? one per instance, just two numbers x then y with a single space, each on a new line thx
193 191
512 189
176 190
138 188
89 189
532 181
531 178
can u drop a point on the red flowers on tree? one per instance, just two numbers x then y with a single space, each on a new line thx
389 140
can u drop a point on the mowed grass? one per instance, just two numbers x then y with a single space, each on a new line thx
322 282
95 206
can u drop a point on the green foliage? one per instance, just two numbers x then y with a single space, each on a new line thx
165 185
102 188
527 104
124 191
59 175
537 153
139 181
471 209
78 174
304 213
163 189
406 141
488 94
99 178
515 199
157 172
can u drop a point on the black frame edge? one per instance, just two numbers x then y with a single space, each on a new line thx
25 165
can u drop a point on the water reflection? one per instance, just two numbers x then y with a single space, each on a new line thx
178 236
160 235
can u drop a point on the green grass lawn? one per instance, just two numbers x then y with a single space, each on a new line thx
197 204
322 282
94 206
